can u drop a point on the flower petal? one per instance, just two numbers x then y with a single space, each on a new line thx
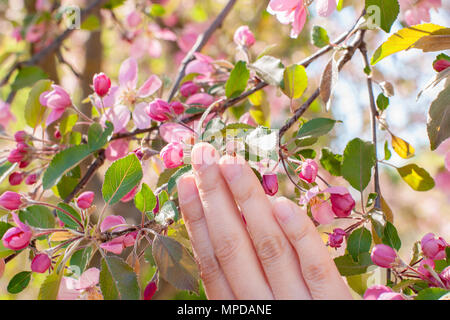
150 86
128 73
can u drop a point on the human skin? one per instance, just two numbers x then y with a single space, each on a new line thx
276 254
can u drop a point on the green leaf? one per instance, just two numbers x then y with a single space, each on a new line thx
371 199
431 294
416 177
34 110
237 82
175 264
388 11
382 102
270 69
358 242
19 282
91 23
66 125
118 280
145 201
307 153
97 138
390 236
28 76
168 211
163 197
331 162
402 40
38 216
387 152
402 147
50 287
295 81
171 184
112 4
319 37
315 128
121 177
81 258
438 126
66 219
348 267
359 158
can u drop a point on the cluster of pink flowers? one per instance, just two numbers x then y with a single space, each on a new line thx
116 224
415 11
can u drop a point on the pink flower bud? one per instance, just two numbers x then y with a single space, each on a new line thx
172 155
383 255
200 99
23 164
150 290
270 184
23 147
441 65
17 238
57 100
445 277
158 110
2 267
244 37
391 296
16 156
20 136
11 200
57 134
156 209
373 292
189 88
15 178
309 171
134 19
176 107
336 238
139 153
41 263
31 179
102 84
342 205
433 248
425 273
84 200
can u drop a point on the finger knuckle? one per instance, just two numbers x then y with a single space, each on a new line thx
269 249
315 273
300 234
226 250
209 268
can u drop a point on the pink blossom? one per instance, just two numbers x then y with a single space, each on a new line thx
119 115
441 65
128 78
342 205
20 136
31 179
43 5
102 84
116 245
189 88
174 132
270 184
336 238
150 290
35 32
117 149
11 200
41 263
326 7
309 171
200 99
84 200
5 114
58 100
248 119
176 107
423 269
291 12
416 11
88 279
444 275
391 296
16 178
383 255
16 155
140 116
447 161
442 180
16 34
373 292
309 195
433 248
243 36
17 238
322 212
203 65
71 289
159 110
172 155
134 19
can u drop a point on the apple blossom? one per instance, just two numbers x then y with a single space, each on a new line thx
270 184
374 292
11 200
84 200
102 84
172 155
188 89
416 11
58 100
322 213
41 263
15 178
17 238
309 169
433 248
243 36
383 256
31 179
336 238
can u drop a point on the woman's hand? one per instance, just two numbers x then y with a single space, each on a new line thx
277 254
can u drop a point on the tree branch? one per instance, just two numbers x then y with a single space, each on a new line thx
199 44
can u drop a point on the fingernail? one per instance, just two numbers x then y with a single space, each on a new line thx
283 210
231 167
187 189
203 155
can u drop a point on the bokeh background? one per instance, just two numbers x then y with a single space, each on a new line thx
103 48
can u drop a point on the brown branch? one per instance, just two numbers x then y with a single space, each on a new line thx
199 44
54 45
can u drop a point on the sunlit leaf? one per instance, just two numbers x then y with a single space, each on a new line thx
402 148
416 177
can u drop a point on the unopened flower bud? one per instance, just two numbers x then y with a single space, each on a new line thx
445 277
41 263
424 267
17 238
243 36
15 178
336 238
84 200
20 136
309 171
373 292
383 255
31 179
102 84
270 184
391 296
176 107
172 155
342 205
16 156
158 110
189 88
150 290
433 248
11 200
441 65
57 134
